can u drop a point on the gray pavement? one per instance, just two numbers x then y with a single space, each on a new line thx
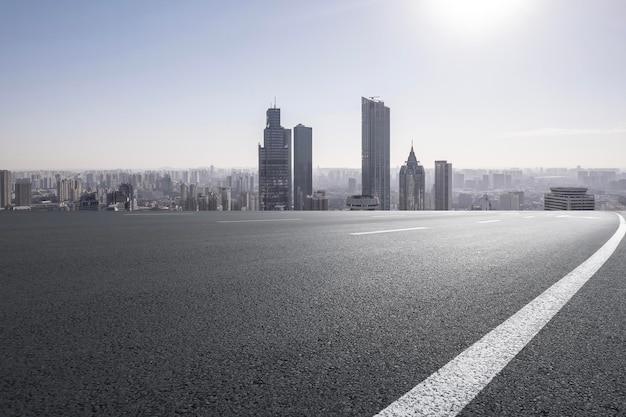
292 314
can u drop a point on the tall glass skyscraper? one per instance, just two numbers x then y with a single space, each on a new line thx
412 184
443 185
302 167
275 165
375 140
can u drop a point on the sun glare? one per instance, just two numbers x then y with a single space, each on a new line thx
474 18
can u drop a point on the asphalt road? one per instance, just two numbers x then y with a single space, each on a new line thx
299 313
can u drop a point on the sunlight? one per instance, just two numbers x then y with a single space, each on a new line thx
474 18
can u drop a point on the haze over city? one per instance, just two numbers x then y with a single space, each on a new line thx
161 84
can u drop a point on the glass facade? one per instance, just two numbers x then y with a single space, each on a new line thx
302 167
275 165
375 139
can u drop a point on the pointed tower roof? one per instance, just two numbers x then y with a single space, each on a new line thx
412 158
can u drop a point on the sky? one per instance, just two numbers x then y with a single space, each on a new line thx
151 83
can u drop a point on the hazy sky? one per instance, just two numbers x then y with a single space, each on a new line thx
148 84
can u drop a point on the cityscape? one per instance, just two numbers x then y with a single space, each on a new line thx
337 208
287 180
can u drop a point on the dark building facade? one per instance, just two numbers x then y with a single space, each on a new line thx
443 185
375 140
23 191
275 165
5 188
412 184
302 167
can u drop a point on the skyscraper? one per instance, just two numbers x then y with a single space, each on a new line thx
412 184
302 167
5 188
443 185
375 140
275 165
23 193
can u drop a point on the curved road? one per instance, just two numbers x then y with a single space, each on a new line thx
300 313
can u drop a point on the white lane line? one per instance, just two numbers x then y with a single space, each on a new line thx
388 216
166 213
490 221
529 217
509 214
451 388
388 231
576 217
256 221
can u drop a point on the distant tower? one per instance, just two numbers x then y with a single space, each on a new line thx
302 167
275 165
375 138
412 184
443 185
5 188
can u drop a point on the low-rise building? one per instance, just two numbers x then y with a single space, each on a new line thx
568 198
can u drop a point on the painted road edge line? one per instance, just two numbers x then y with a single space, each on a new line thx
387 231
489 221
451 388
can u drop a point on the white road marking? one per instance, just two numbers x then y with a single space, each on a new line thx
388 216
164 213
490 221
529 217
388 231
575 217
508 214
256 221
451 388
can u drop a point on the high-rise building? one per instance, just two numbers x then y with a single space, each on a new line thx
351 185
375 139
23 196
443 185
226 199
509 201
275 164
5 188
302 167
412 184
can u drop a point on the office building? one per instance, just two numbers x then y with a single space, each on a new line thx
319 201
412 184
362 202
351 185
375 142
568 198
509 201
443 185
275 165
5 188
226 199
302 167
23 193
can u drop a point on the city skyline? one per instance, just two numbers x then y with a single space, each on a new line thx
151 85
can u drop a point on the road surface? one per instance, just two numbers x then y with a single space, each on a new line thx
303 313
